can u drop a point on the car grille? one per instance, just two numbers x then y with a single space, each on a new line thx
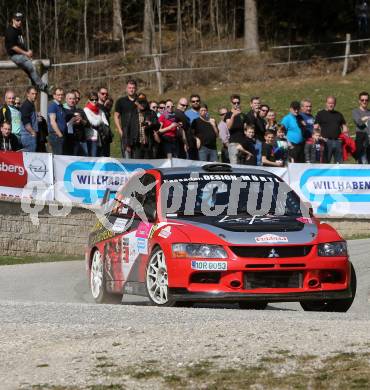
272 279
271 251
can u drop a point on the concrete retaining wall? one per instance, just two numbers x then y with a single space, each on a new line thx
57 235
68 235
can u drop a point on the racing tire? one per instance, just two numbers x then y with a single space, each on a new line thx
156 280
333 305
253 305
97 282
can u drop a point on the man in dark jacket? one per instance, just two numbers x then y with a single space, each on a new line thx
29 125
8 141
19 54
142 137
76 127
253 118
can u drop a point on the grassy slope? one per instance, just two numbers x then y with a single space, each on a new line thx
279 93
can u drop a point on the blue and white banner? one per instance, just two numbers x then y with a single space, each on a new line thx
333 190
83 180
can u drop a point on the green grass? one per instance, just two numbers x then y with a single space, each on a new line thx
279 93
12 260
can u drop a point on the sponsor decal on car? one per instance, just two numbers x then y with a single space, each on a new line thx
201 265
165 232
119 225
144 230
271 238
142 245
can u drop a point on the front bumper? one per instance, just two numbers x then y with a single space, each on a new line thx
180 294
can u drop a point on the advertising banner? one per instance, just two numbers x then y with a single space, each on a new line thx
333 190
84 180
26 175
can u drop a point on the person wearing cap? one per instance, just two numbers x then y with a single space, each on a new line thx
142 127
18 52
293 125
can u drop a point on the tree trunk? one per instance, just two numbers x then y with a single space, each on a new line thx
147 28
179 52
251 42
87 51
117 31
39 25
159 10
56 31
212 16
28 43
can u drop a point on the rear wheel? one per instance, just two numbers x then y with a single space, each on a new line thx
334 305
253 305
97 281
157 280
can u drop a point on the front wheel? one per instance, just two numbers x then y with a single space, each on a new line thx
334 305
157 280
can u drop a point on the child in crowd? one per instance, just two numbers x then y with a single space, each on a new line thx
314 150
247 153
281 145
271 123
268 152
348 145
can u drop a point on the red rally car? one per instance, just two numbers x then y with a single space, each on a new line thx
216 233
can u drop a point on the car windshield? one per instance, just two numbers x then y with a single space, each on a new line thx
228 194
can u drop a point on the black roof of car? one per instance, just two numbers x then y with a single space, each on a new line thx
219 169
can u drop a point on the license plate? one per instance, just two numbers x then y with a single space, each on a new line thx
209 265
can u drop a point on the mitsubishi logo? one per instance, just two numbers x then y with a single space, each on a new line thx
273 253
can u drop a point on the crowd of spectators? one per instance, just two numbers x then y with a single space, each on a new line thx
150 129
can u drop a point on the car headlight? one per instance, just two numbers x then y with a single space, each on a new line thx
338 248
198 251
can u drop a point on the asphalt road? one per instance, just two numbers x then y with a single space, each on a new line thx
52 334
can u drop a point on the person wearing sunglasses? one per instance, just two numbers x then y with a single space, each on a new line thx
193 112
168 131
161 108
361 117
235 121
106 141
17 102
153 105
186 142
97 120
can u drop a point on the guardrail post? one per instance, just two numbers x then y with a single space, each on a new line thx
346 54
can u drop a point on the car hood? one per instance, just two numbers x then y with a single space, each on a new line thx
243 230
